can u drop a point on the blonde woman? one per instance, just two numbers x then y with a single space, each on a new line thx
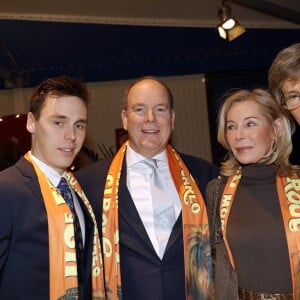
255 205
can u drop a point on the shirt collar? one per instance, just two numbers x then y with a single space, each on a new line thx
133 157
50 173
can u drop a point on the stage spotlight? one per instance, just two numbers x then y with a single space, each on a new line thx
229 28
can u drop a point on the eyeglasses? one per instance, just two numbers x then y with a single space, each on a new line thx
292 101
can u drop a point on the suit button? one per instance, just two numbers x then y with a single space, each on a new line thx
164 268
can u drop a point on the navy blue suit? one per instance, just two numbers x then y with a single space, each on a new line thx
144 275
24 245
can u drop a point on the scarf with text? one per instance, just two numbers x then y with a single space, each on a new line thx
289 198
197 252
62 251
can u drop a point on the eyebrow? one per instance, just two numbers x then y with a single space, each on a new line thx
82 121
291 92
62 117
143 104
165 106
246 119
252 117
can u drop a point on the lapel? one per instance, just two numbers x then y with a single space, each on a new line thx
89 226
128 213
30 178
89 240
32 183
175 234
129 216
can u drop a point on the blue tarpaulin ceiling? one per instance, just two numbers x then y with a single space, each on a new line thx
31 51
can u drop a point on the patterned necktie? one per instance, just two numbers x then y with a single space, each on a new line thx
65 191
163 207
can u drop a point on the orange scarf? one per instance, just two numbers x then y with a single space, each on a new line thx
62 252
289 199
194 225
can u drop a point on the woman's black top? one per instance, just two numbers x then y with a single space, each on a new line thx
256 234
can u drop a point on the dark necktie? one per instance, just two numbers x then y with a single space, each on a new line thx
65 191
163 207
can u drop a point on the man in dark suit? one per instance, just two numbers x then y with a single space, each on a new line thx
150 247
46 242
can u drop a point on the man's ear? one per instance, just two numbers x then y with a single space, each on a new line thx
124 118
30 124
173 118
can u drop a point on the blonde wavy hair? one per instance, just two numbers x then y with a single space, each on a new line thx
282 146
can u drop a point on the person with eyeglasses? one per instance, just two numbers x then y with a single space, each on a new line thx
284 79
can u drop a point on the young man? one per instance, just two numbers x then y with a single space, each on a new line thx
152 208
48 241
284 79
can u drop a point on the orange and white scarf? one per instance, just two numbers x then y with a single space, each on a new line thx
289 198
194 226
62 252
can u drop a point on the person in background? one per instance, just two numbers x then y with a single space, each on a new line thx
149 205
49 244
284 79
254 206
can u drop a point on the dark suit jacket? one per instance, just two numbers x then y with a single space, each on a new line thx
144 275
24 245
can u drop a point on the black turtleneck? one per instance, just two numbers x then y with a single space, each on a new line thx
256 234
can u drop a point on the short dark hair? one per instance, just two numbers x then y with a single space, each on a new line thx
59 86
126 92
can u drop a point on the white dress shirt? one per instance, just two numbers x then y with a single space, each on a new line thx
138 183
54 177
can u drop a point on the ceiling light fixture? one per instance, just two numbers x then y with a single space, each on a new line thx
229 28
